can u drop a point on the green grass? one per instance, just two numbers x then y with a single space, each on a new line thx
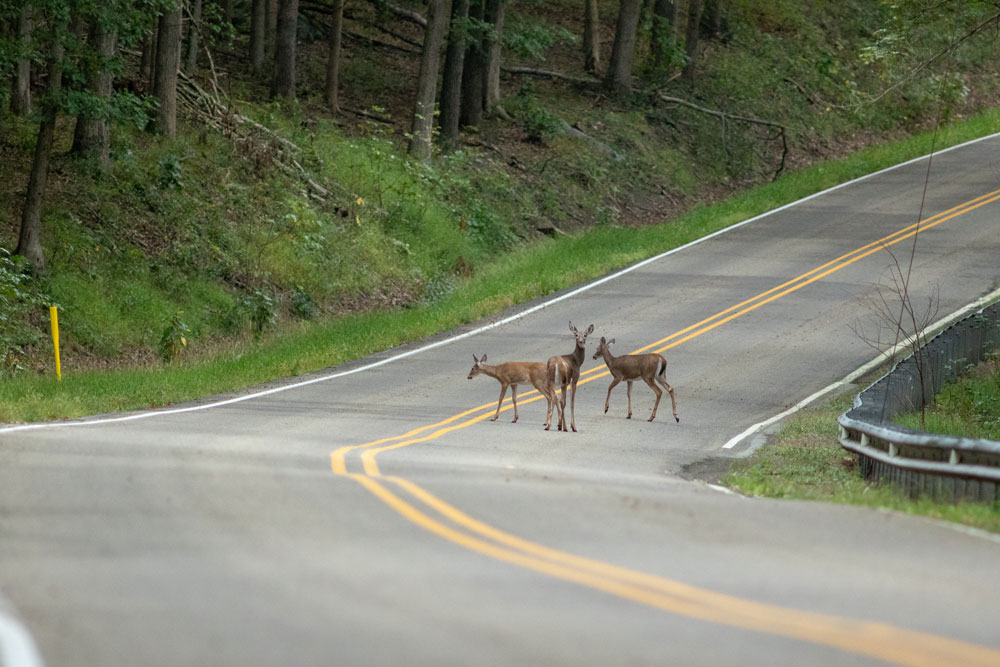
804 461
968 407
527 272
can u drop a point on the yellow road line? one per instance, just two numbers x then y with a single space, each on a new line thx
878 640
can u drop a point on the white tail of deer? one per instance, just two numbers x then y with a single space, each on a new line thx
513 373
652 368
566 370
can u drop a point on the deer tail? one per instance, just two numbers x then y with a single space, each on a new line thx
662 371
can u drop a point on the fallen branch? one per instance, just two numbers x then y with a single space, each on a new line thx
549 74
725 117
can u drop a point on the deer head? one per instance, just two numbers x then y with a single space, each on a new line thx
477 366
602 346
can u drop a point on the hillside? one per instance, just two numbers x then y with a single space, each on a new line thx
236 235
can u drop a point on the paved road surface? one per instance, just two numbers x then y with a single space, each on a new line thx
379 518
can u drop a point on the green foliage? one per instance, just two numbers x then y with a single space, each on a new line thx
538 123
20 297
174 337
530 39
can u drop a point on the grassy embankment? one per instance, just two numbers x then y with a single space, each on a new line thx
295 348
804 460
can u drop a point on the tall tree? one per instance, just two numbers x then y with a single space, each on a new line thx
451 81
691 33
258 25
474 70
283 82
194 26
29 242
168 54
591 37
92 137
495 13
619 77
271 26
423 113
332 91
20 99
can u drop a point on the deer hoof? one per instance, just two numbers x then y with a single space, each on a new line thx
494 419
651 418
678 419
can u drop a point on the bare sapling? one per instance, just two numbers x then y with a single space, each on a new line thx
513 373
652 368
565 369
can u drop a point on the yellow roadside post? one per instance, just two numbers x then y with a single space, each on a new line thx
54 315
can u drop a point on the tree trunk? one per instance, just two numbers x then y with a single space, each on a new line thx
333 59
29 243
496 11
271 27
661 35
619 78
92 137
168 56
423 113
147 63
283 83
591 37
451 82
20 99
471 112
194 25
691 39
258 23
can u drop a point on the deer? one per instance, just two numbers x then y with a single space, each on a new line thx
566 369
513 373
631 367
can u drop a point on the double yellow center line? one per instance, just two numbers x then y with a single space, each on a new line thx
877 640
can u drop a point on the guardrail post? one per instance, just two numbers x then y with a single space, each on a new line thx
893 450
953 458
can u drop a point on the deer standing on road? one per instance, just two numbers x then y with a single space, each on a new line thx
631 367
566 370
513 373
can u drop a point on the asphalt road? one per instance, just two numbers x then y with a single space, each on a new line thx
375 516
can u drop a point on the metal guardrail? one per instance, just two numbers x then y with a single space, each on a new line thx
940 466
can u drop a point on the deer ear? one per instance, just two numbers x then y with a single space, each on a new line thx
590 329
474 359
483 359
571 327
610 342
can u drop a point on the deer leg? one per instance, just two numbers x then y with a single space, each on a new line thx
513 397
503 392
628 393
562 410
659 395
607 401
572 406
673 403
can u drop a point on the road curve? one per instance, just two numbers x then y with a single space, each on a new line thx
374 515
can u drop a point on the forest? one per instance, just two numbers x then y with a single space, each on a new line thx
186 179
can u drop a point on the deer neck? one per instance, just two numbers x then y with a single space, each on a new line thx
578 355
489 370
608 357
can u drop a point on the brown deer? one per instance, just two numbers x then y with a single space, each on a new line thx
566 369
513 373
631 367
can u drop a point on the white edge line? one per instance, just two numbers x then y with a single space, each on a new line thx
17 649
881 358
492 325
